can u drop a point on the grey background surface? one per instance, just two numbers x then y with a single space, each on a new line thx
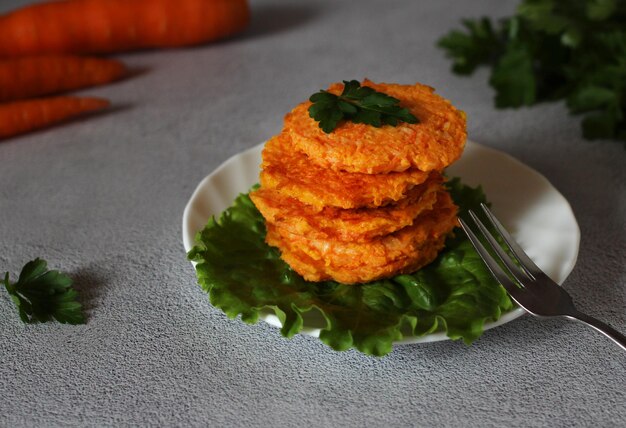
102 199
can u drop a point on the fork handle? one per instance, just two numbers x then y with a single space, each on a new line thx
603 328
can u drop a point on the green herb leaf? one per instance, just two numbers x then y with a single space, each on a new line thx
360 104
472 49
513 78
599 125
245 277
41 295
591 98
599 10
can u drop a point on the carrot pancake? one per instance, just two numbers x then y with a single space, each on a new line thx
401 252
432 144
291 173
355 225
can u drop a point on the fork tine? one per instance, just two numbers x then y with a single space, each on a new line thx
526 263
518 273
491 263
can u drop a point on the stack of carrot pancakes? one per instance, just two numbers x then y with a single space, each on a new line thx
361 203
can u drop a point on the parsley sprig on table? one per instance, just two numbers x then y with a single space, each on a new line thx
360 104
550 50
41 294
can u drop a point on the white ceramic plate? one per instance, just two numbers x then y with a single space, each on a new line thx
535 213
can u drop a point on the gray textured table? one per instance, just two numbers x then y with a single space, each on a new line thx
103 199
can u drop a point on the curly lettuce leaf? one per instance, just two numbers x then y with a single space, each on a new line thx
245 277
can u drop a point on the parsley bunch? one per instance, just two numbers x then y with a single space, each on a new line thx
41 294
360 104
550 50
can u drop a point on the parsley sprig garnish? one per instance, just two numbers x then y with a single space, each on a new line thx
549 50
41 294
360 104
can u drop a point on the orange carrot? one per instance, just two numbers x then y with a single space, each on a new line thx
18 117
104 26
33 76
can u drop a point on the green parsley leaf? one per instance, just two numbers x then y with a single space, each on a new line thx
243 276
41 295
513 77
599 10
591 98
599 125
472 49
360 104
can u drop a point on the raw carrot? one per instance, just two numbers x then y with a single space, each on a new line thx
18 117
104 26
33 76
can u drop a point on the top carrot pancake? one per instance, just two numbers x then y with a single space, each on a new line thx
432 144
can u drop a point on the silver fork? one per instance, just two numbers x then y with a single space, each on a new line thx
528 285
